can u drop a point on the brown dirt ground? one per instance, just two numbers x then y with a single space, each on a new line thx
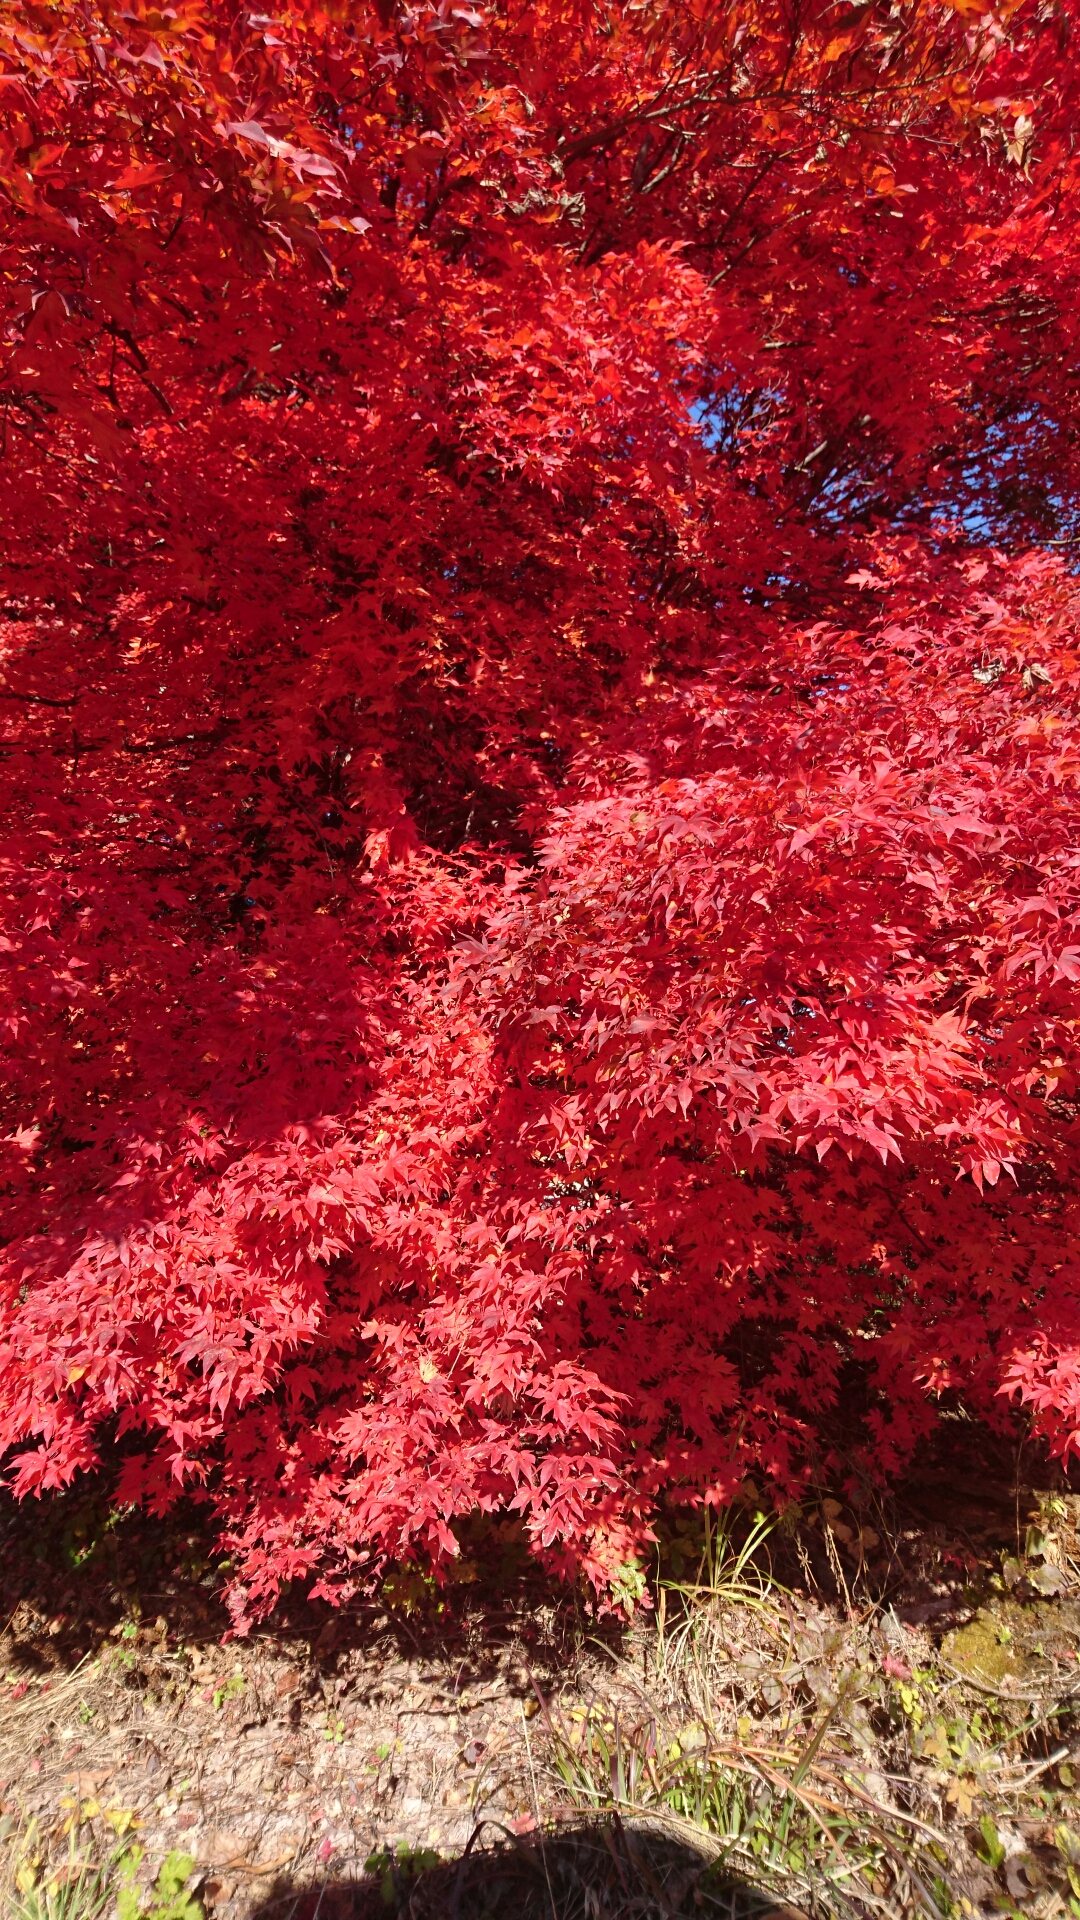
283 1761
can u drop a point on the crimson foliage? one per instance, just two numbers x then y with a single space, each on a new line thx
541 884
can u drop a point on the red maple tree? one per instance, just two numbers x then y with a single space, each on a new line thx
541 874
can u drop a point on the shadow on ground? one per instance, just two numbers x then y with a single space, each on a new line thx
610 1871
75 1571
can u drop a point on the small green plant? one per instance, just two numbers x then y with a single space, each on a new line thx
628 1584
87 1533
230 1689
412 1592
989 1846
941 1897
84 1888
335 1731
396 1872
78 1890
168 1899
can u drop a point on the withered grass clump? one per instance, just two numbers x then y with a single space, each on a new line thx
859 1762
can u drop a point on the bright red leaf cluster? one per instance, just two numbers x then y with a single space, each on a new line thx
539 743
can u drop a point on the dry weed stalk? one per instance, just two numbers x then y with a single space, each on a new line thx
803 1797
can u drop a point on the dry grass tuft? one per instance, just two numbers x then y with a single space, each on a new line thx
854 1763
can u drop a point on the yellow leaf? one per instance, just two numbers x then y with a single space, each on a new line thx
961 1795
122 1820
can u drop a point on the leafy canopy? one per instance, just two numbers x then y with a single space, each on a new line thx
540 872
